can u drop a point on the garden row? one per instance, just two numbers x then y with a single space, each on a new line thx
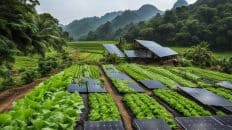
188 77
48 106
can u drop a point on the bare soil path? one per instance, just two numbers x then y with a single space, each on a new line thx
118 100
7 97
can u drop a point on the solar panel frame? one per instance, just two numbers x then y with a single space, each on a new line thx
225 84
113 49
206 97
153 84
225 120
152 124
77 88
101 125
201 123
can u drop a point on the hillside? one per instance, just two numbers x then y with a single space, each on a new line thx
81 27
206 20
113 28
180 3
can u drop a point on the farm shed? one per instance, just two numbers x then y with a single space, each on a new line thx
113 49
155 50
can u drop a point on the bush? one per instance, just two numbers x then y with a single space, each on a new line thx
200 55
28 76
66 61
46 65
185 63
226 66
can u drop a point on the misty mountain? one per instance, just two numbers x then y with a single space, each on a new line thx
180 3
81 27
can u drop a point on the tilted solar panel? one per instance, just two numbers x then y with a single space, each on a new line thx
113 49
206 97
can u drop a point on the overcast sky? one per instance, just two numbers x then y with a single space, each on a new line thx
68 10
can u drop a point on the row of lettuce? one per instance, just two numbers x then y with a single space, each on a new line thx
188 77
48 106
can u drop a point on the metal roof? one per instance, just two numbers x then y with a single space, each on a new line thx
137 54
113 49
156 48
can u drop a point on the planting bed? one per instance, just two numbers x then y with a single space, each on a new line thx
181 104
144 107
103 108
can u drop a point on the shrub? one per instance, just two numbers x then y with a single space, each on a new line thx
28 76
46 65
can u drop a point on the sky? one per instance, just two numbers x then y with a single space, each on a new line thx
68 10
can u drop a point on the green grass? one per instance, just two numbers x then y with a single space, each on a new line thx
89 46
218 55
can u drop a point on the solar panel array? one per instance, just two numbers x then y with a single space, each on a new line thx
113 49
225 120
110 125
89 86
201 123
157 49
153 84
206 97
225 84
153 124
137 54
228 109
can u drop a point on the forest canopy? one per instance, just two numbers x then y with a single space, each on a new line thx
23 30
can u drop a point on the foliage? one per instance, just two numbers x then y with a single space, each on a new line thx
112 59
168 74
181 104
223 92
22 29
46 65
226 65
103 108
87 71
28 76
145 107
48 106
208 21
123 86
200 55
137 71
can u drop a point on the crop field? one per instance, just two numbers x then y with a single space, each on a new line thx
51 106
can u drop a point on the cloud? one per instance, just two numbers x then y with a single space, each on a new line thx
68 10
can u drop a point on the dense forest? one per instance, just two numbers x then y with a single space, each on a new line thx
206 20
23 30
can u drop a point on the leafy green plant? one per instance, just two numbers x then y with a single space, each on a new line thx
181 104
145 107
123 86
48 106
103 108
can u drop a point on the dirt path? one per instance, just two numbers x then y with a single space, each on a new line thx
118 100
7 97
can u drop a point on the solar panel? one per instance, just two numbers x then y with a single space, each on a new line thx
137 54
206 97
136 87
201 123
119 76
228 109
153 84
225 120
96 89
77 88
157 49
225 84
153 124
113 49
111 125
